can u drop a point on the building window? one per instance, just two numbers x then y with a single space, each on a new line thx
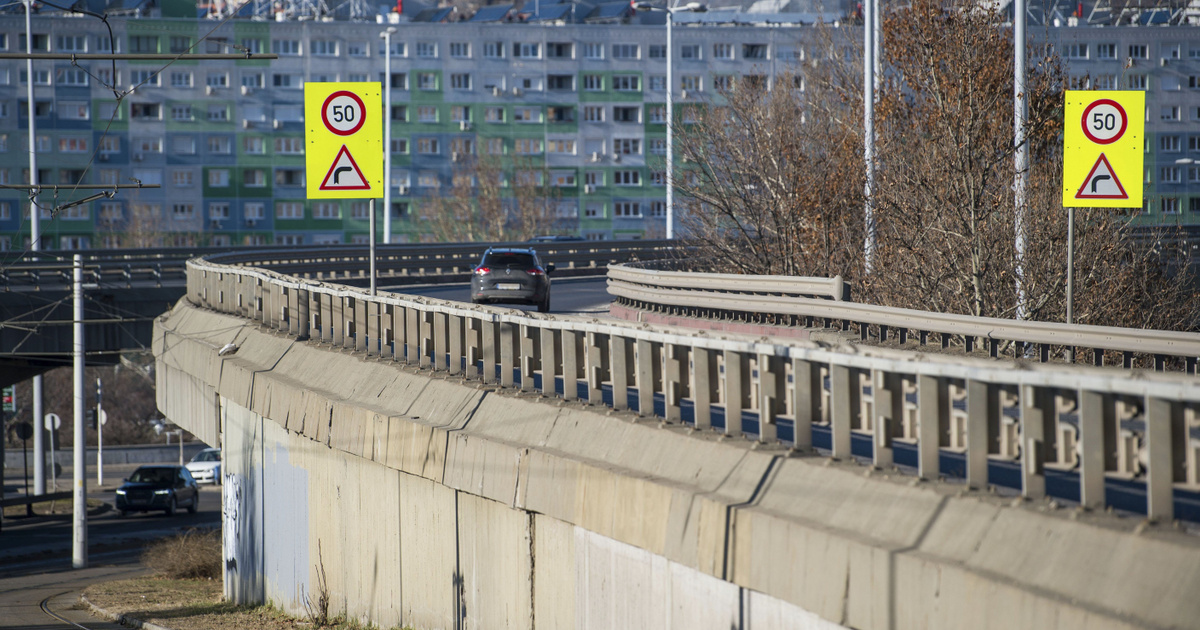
561 147
427 81
593 82
1139 51
1106 51
327 210
593 210
527 114
723 51
460 50
145 111
254 178
1171 175
657 83
182 179
356 49
218 211
493 114
71 77
527 146
399 81
427 114
428 146
722 83
560 114
561 82
690 83
427 50
460 113
526 50
217 80
218 178
627 178
627 82
627 209
285 47
560 50
460 81
593 113
1076 51
1170 112
289 177
181 79
1170 205
627 114
289 146
399 113
399 146
690 52
144 44
593 51
1169 144
657 146
183 211
144 77
627 146
626 51
288 210
493 50
218 113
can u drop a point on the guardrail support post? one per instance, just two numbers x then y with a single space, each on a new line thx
337 323
412 336
1037 434
1164 424
531 356
474 339
1091 453
885 393
620 370
597 366
551 351
806 402
843 400
454 323
645 377
932 406
737 376
440 362
426 339
396 330
704 384
508 360
572 360
981 407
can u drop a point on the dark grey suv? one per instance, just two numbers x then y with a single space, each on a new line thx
513 276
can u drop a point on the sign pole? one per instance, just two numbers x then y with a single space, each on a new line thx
1071 275
372 240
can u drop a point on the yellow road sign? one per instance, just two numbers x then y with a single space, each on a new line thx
1103 151
343 138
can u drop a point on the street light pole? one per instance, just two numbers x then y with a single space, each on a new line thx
387 134
35 244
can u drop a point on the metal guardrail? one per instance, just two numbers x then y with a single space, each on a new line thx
721 295
1105 439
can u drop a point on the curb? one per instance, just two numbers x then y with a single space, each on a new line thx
124 620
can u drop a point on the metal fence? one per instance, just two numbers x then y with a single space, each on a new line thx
1101 437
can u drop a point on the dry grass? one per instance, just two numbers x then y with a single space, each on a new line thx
191 555
47 508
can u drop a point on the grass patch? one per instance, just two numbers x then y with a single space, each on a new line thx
191 555
46 508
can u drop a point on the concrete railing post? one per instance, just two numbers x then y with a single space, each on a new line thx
620 370
572 362
982 405
426 341
551 351
374 328
1164 425
933 402
806 401
675 380
337 323
597 366
361 324
303 326
440 340
843 403
885 390
645 376
412 336
531 356
704 386
508 357
457 337
1037 436
737 385
490 340
473 331
772 388
1092 448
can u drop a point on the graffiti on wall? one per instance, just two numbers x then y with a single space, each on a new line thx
231 515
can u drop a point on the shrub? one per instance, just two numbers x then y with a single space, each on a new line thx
192 554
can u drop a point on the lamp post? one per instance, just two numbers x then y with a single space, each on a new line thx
387 133
691 7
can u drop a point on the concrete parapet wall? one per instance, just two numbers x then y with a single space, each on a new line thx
443 503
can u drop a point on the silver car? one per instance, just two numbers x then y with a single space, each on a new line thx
206 466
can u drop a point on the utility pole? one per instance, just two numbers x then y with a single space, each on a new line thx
35 244
79 524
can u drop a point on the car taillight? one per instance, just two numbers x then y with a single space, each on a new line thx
482 271
536 272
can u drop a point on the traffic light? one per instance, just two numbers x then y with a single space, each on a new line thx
89 416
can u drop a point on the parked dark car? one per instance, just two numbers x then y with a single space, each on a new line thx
511 275
158 487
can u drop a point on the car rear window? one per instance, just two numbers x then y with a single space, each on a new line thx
509 260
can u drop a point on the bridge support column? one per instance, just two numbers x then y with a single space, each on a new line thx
982 408
597 366
886 392
572 360
806 402
531 356
772 388
704 386
737 382
621 372
508 358
843 400
551 351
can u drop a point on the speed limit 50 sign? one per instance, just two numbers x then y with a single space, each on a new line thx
1103 136
343 140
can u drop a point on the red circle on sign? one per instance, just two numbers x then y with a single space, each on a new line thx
361 108
1119 132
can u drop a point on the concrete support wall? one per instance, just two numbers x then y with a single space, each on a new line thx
440 503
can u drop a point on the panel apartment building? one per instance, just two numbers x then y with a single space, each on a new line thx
576 90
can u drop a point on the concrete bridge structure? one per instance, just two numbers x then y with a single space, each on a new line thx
438 465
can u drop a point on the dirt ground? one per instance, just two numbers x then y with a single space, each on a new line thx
185 605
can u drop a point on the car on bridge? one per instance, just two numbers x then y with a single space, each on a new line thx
206 466
512 275
158 487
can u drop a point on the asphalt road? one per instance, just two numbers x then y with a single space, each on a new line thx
569 296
